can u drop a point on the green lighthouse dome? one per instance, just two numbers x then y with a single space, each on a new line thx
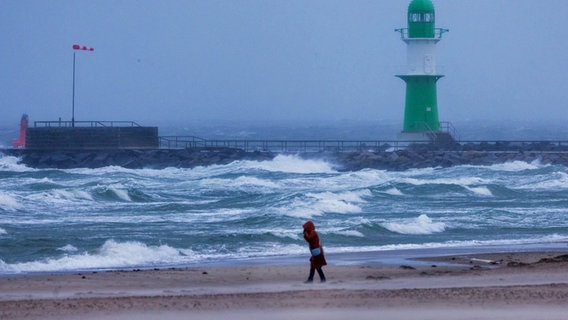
421 6
421 19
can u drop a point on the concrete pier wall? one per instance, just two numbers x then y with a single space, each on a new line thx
66 138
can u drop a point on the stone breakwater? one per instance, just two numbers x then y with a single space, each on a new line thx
408 159
413 157
132 158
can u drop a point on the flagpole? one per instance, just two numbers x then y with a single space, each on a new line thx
73 102
75 48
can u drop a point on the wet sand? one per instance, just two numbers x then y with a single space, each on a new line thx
517 285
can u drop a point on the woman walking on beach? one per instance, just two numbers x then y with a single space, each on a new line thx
317 260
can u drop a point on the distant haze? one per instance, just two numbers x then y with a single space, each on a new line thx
317 61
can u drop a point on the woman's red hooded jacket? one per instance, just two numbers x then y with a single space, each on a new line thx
313 240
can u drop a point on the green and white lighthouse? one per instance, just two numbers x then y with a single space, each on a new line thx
421 37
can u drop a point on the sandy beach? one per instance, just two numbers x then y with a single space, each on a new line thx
517 285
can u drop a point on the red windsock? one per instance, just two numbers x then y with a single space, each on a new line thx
84 48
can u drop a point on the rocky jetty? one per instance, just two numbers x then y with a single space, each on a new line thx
482 154
408 159
133 159
417 156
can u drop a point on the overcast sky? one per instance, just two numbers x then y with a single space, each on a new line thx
316 60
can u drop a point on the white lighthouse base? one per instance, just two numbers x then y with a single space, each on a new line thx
411 136
439 138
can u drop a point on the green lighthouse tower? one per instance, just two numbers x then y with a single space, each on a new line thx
421 37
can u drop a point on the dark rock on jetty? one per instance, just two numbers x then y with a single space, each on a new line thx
418 156
133 159
408 159
480 154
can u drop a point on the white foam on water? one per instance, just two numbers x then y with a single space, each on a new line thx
299 209
115 173
359 179
482 191
555 238
555 181
292 164
72 194
59 197
118 255
45 180
268 249
8 202
416 171
287 233
186 174
10 163
461 181
292 193
103 171
421 225
349 196
112 254
198 216
394 192
120 191
242 182
2 231
213 216
316 204
516 166
68 248
349 233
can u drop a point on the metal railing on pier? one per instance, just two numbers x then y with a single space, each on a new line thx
448 127
182 142
280 146
514 145
308 146
69 124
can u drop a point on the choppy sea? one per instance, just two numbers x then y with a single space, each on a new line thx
54 220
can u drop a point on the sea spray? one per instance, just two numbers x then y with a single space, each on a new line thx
12 164
292 164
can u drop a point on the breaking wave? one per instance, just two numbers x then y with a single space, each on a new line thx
292 164
111 255
8 202
421 225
